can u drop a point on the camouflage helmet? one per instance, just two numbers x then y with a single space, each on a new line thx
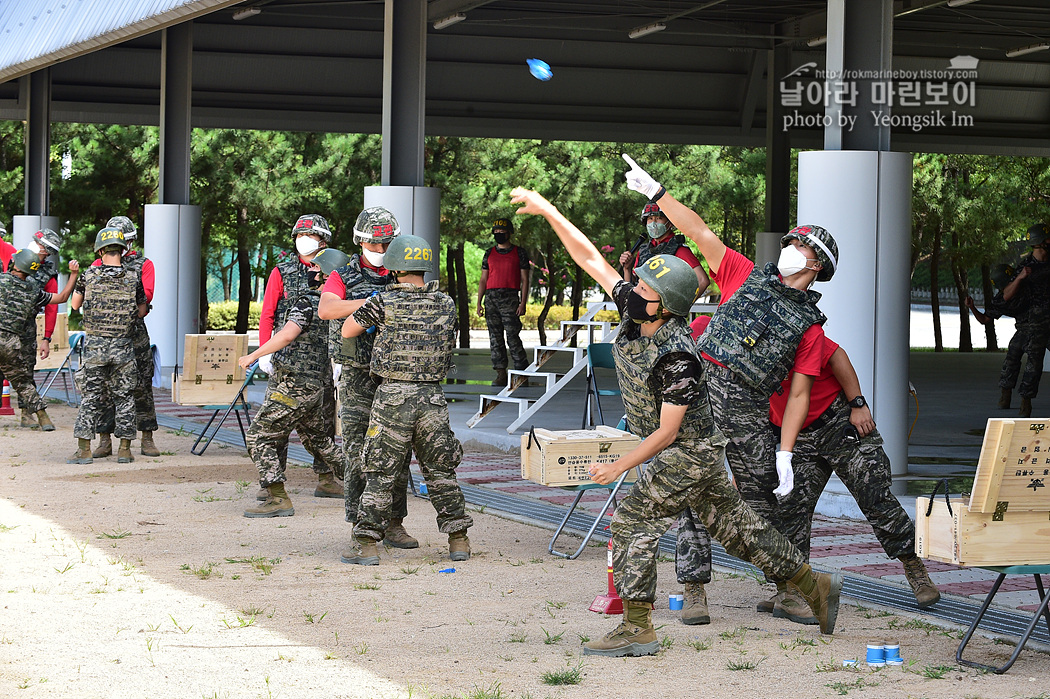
375 225
25 260
503 224
673 280
109 236
1038 234
48 239
125 224
312 224
330 260
822 243
409 253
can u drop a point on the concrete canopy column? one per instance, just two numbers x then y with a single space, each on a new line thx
778 144
38 143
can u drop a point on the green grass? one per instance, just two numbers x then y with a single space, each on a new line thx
564 677
845 687
743 665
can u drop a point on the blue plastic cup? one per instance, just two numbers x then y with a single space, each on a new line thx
876 655
675 602
423 489
893 654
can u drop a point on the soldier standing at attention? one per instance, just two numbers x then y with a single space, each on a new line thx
504 290
19 301
7 251
286 283
666 400
350 282
415 325
45 243
294 399
145 409
660 239
109 296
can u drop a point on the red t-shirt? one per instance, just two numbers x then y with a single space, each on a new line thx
825 388
731 275
335 284
7 251
698 326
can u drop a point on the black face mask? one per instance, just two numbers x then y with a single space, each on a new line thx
501 237
636 305
313 280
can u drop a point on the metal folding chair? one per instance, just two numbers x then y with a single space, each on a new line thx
599 355
233 407
66 370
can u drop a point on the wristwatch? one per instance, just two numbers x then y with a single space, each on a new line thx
858 402
48 339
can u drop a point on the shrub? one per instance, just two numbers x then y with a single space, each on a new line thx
223 316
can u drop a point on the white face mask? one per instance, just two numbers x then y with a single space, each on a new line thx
374 258
306 245
792 260
35 247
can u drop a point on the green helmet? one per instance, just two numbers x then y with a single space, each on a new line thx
1002 275
409 253
375 225
822 243
25 260
124 223
331 259
110 236
673 280
1038 234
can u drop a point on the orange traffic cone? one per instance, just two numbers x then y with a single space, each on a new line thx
610 602
5 403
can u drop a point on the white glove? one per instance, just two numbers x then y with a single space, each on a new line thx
337 370
639 180
266 363
785 474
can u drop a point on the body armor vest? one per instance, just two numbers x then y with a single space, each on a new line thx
635 360
133 262
668 247
307 355
415 342
294 277
756 332
360 283
109 301
17 304
38 280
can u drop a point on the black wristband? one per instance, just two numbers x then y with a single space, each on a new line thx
48 339
659 193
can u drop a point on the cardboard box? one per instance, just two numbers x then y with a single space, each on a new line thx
211 375
559 458
1006 521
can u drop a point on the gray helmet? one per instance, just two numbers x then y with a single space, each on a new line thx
1038 234
375 225
25 260
124 223
109 236
673 280
312 223
330 260
409 253
822 243
48 239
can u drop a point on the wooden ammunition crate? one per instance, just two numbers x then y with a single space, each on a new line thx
551 457
210 374
1006 520
59 342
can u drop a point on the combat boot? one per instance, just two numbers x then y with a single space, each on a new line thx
821 592
694 611
83 453
1004 399
635 636
458 546
45 422
1026 407
105 446
124 452
146 445
327 486
398 537
926 593
501 378
362 552
791 606
766 606
262 494
278 504
28 421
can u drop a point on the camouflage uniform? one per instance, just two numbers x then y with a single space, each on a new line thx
692 556
688 473
1036 320
111 297
38 279
412 354
357 389
863 467
19 301
145 409
295 399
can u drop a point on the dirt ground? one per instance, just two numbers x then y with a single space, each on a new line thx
144 580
